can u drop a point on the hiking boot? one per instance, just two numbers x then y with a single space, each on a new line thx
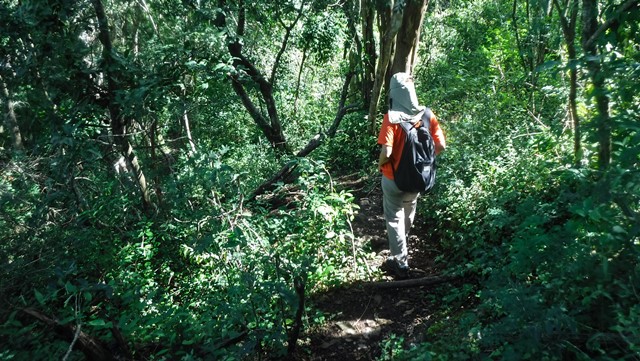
396 270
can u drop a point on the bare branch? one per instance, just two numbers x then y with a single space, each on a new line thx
285 41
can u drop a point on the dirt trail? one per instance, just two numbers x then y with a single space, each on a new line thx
361 320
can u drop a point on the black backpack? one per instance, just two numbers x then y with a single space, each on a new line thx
417 168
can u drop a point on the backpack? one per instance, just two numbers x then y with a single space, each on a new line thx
417 168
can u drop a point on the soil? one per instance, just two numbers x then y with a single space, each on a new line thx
361 320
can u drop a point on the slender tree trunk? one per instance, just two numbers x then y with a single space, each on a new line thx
569 32
590 34
516 32
297 92
408 37
299 284
389 29
10 118
590 14
353 47
369 56
573 107
187 128
155 163
533 46
118 123
270 124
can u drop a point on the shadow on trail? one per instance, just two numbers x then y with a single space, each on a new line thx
363 320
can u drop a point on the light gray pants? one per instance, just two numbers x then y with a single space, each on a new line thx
399 211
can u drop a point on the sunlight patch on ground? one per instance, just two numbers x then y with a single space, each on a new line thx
363 327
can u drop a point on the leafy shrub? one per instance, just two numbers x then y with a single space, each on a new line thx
206 276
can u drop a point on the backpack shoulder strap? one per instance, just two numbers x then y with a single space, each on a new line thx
406 126
428 114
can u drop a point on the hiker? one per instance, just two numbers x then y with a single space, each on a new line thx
400 207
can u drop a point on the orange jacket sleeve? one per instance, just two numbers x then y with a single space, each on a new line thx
437 134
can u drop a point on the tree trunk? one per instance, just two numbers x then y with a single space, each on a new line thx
270 124
369 51
10 118
408 37
590 34
299 286
532 48
297 92
569 32
603 122
187 128
117 121
390 24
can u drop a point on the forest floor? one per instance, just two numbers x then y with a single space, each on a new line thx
361 319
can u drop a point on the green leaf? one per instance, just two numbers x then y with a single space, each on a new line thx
618 229
99 323
39 297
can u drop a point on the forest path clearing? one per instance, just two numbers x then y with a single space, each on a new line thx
363 322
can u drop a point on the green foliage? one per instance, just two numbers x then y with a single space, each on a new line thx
550 250
156 280
392 348
352 149
320 36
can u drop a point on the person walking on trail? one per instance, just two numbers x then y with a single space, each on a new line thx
400 207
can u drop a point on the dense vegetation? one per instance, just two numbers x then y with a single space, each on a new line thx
168 184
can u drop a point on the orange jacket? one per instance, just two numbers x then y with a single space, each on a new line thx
392 135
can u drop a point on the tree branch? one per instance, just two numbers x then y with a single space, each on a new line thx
331 132
514 17
315 142
92 348
271 128
285 41
610 22
251 108
562 15
118 122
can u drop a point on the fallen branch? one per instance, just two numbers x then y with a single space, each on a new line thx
282 174
92 348
413 282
